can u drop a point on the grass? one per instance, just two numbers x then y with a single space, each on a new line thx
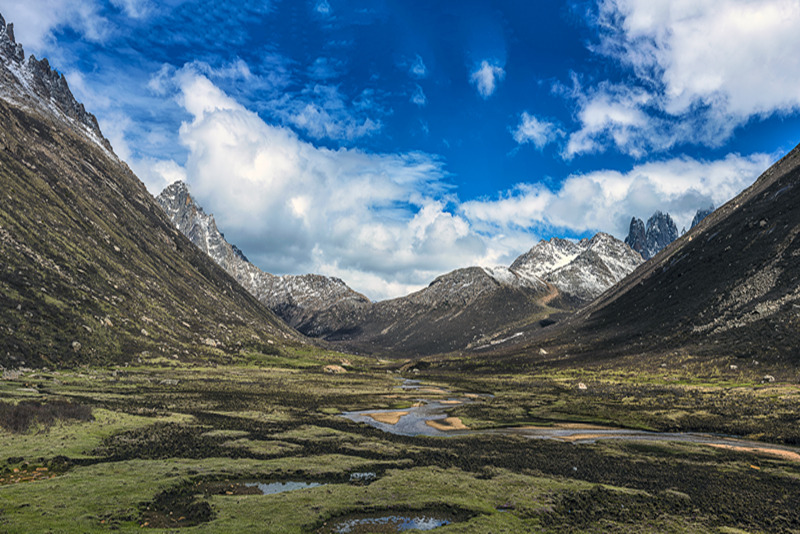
158 432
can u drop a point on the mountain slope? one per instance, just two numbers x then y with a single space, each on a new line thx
298 299
729 287
91 270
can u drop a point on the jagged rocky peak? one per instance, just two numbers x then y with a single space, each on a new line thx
648 240
661 231
35 80
701 214
637 236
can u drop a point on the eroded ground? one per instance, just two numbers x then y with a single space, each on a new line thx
175 448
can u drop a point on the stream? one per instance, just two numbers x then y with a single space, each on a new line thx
430 418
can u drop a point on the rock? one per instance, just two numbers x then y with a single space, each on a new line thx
734 367
210 342
144 332
415 371
768 378
582 386
76 346
334 369
169 382
542 352
345 362
637 238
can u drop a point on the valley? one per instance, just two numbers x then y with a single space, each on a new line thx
163 438
154 380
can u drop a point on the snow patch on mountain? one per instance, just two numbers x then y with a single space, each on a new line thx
584 268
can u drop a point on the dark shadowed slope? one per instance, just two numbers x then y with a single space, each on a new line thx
729 287
91 270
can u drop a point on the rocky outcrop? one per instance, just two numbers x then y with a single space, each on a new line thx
659 232
34 82
637 236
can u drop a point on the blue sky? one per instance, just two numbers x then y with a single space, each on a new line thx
387 142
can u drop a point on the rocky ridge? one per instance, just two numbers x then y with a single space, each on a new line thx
659 232
298 299
727 289
33 83
465 308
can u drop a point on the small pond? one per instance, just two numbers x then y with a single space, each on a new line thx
387 523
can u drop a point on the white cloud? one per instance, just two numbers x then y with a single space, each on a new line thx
325 68
418 69
323 7
35 20
699 69
538 132
298 208
388 223
135 9
485 78
418 97
605 200
323 112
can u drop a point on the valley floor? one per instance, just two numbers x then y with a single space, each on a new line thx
174 446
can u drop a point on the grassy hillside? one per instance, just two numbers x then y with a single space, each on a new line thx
91 270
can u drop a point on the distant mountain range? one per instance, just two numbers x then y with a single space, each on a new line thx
462 309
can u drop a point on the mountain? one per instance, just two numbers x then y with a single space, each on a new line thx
582 269
91 269
467 308
727 288
651 239
700 215
298 299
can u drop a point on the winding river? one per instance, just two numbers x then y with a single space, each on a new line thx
429 417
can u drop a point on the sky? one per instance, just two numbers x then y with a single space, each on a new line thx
388 142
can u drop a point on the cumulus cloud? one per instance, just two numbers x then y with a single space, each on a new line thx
296 208
698 70
605 200
485 78
389 223
538 132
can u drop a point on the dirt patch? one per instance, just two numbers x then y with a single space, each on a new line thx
432 391
447 424
778 453
570 426
450 402
389 418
